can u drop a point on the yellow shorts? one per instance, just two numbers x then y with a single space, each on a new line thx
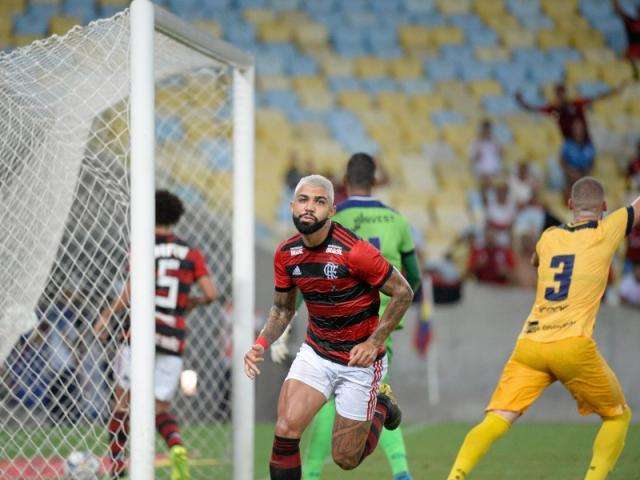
576 362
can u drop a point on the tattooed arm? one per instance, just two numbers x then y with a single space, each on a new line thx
396 287
280 315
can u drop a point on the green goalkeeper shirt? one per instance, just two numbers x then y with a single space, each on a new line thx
386 229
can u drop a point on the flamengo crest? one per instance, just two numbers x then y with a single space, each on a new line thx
331 271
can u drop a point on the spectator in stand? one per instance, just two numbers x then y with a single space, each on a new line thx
491 262
523 183
630 287
633 170
578 155
293 173
633 247
566 111
632 28
534 217
501 212
486 154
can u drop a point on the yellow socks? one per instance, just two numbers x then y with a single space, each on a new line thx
608 445
477 444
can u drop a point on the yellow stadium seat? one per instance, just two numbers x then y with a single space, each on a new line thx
426 103
481 88
581 72
46 2
258 15
414 38
553 38
24 40
114 3
452 88
60 25
334 66
517 37
583 39
492 54
599 55
211 27
503 22
447 36
6 25
309 83
371 67
355 100
321 100
8 8
615 72
406 67
310 35
454 7
558 9
273 82
275 32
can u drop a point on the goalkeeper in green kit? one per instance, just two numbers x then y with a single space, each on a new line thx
388 231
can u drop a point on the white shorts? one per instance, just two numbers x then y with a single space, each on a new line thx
355 388
166 378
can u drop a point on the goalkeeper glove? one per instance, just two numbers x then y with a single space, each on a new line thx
279 349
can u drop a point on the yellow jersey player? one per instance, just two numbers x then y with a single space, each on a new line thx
555 344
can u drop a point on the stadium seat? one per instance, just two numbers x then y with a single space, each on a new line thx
60 25
368 67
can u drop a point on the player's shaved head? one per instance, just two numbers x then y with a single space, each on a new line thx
587 195
361 171
317 181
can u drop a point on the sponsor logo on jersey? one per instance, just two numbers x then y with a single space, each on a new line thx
296 251
331 271
335 249
296 271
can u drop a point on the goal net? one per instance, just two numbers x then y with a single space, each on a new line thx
64 242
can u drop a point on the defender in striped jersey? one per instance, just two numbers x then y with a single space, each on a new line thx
340 277
178 267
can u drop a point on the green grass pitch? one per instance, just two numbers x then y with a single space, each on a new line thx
530 451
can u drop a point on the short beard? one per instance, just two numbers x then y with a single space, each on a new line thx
308 228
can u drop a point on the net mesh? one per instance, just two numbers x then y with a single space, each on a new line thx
64 191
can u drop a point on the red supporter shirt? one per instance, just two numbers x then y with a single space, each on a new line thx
340 281
490 265
633 245
569 113
178 267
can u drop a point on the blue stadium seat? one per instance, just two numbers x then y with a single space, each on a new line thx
481 37
420 6
591 89
381 38
85 11
502 133
107 11
352 6
440 70
283 5
339 84
529 56
416 86
387 7
531 94
245 4
536 23
284 100
361 20
561 55
377 85
169 128
500 105
474 70
315 7
510 75
447 116
301 115
29 24
467 21
548 73
218 153
302 65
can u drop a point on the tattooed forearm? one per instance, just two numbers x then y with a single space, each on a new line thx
401 295
280 315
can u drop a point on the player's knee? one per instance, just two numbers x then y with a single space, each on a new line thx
286 427
345 462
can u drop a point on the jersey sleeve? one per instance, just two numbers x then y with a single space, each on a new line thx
367 263
281 279
200 268
618 225
406 239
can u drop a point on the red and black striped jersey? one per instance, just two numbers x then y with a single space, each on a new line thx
340 281
178 267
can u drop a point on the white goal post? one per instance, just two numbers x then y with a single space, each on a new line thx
91 124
